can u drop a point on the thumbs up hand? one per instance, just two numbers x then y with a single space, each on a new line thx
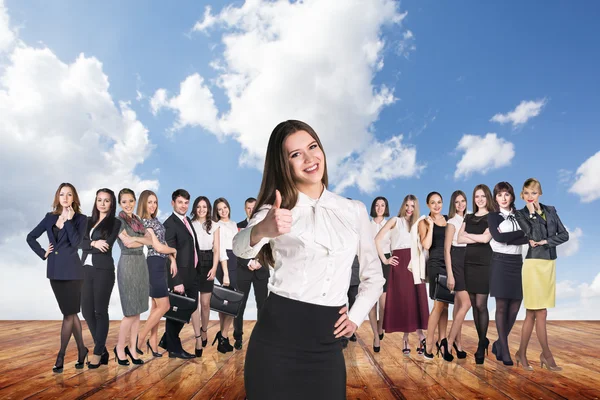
278 221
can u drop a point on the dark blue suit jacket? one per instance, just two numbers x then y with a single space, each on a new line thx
64 263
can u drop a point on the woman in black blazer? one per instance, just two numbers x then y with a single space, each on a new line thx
65 227
99 271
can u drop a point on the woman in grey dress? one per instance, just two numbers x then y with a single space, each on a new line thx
132 278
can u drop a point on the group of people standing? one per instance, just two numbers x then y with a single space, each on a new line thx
322 248
184 255
480 254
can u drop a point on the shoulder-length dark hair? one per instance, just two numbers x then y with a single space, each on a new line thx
386 213
490 203
57 207
502 187
277 174
142 207
106 225
216 217
208 222
452 210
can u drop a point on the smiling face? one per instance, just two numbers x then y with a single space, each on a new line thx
152 204
201 210
480 199
531 194
410 208
504 199
380 207
223 211
180 205
435 204
103 201
66 197
460 204
127 203
306 160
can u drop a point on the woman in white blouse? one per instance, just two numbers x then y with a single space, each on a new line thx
227 275
207 233
310 235
380 210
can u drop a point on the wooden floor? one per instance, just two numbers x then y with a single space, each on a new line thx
28 350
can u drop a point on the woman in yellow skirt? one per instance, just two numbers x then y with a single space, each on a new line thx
545 231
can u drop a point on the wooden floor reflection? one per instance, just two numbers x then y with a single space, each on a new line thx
28 350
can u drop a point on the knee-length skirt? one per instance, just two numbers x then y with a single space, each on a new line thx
132 279
539 283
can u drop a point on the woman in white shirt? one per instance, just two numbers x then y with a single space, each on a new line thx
454 257
408 308
310 235
207 233
506 283
380 210
227 274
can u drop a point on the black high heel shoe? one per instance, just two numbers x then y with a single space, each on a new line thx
221 347
446 354
136 361
137 349
227 345
426 355
459 353
81 359
204 341
104 357
121 362
495 351
376 349
150 349
381 335
91 365
482 351
197 351
58 365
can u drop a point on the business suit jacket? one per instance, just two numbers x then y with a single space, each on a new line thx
63 263
537 229
242 266
99 259
179 237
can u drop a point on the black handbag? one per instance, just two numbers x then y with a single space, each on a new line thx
441 291
226 300
181 307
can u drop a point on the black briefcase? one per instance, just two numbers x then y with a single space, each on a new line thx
181 307
441 291
226 300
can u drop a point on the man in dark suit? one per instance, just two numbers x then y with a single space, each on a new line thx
180 234
249 272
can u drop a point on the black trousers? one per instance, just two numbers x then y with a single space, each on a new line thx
246 278
173 328
97 287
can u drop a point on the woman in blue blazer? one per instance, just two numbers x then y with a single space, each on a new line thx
65 227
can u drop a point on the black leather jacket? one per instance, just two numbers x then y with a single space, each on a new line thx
537 229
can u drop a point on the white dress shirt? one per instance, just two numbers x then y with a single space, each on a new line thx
228 230
91 257
385 243
457 222
508 225
400 235
313 263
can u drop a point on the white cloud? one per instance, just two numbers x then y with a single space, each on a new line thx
571 247
407 44
523 113
587 183
483 154
7 36
59 123
577 301
274 67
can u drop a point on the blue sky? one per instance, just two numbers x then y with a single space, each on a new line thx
450 68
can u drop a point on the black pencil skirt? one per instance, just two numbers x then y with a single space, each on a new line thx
293 353
68 295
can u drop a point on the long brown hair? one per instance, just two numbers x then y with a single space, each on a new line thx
277 174
490 204
57 207
209 221
402 211
452 210
142 207
216 217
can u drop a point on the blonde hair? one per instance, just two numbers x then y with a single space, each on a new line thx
530 183
415 214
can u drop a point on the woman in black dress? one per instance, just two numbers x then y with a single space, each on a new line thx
506 283
475 233
432 232
99 266
65 227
